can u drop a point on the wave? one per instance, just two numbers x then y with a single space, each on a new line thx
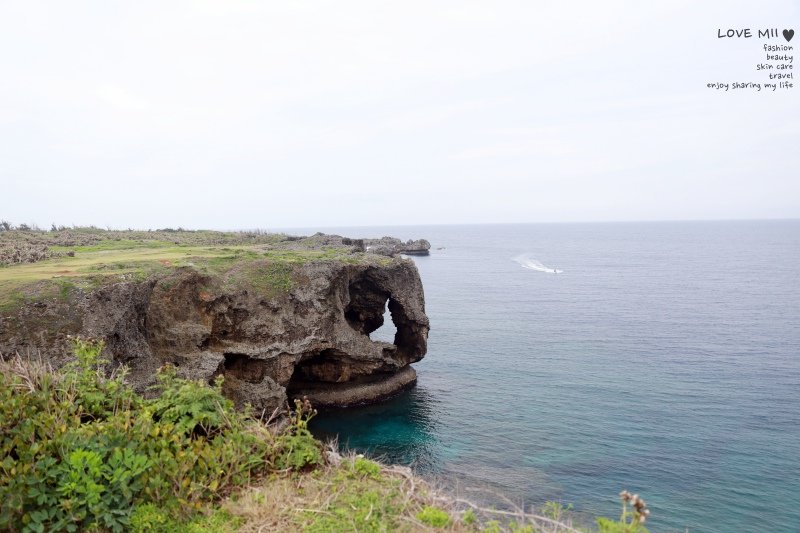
526 261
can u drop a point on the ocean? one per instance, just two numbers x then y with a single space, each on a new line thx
567 362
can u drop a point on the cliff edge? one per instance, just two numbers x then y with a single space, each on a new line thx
275 320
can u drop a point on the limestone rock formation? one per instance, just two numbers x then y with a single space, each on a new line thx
309 338
386 246
391 246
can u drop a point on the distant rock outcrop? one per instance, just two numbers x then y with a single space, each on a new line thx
310 339
387 246
391 246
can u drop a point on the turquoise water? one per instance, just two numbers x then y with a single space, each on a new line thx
663 359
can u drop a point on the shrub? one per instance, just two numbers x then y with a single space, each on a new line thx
149 518
469 517
366 468
190 406
82 451
434 517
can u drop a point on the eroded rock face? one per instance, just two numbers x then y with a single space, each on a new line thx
386 246
391 246
310 340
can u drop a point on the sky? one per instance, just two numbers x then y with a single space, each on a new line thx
246 114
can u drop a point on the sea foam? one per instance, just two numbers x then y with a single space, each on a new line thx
526 261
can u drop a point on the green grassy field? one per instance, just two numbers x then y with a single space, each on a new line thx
264 262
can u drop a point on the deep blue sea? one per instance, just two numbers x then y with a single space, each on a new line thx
663 358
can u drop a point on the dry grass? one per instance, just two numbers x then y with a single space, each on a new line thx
338 498
31 371
354 494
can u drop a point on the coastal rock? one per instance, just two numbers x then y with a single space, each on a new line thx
386 246
391 246
310 337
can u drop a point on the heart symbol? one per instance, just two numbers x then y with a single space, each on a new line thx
788 34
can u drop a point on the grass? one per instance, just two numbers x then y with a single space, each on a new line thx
354 495
97 257
31 281
70 238
267 278
122 244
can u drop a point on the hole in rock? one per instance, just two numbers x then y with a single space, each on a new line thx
386 332
244 367
367 306
367 313
372 311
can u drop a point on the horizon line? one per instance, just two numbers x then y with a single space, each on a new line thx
276 229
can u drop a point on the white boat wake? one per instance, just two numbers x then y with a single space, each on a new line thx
526 261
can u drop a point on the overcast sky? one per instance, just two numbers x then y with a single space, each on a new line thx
291 114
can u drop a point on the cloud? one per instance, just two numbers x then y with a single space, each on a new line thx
373 113
121 98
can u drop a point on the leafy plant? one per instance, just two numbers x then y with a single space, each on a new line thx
191 407
93 395
434 517
150 518
80 450
365 467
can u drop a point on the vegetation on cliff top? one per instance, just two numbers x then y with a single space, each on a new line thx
36 264
81 451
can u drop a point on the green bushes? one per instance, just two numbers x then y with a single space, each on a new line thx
365 467
80 451
434 517
191 409
149 518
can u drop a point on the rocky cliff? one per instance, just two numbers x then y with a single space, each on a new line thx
392 246
307 334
